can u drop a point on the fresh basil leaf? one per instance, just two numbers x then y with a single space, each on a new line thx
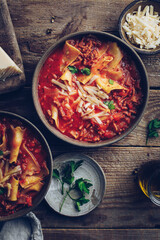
86 71
1 153
111 81
73 69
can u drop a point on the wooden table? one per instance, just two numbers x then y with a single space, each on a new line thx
125 212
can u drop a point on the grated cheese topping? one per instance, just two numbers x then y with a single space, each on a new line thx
143 27
88 98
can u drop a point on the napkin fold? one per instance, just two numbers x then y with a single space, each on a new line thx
24 228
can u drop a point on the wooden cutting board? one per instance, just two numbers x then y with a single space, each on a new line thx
11 83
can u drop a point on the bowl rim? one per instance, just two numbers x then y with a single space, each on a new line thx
125 10
23 211
39 111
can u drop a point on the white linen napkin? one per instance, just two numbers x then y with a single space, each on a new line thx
24 228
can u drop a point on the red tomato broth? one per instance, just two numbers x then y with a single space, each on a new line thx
126 102
24 197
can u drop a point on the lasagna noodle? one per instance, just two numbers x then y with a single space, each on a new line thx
103 49
34 165
70 53
54 116
3 146
35 187
29 181
67 76
114 74
14 189
106 86
114 51
17 138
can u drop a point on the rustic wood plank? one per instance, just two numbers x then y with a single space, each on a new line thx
124 205
70 16
21 103
103 234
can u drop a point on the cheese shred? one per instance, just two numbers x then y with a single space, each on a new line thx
143 27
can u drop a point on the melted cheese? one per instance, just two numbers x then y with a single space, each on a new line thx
143 27
7 66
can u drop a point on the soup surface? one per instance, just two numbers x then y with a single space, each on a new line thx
89 90
22 166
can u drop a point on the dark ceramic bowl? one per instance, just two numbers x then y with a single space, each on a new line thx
105 37
133 6
40 196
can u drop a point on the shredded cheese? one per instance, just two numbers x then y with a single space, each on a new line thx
143 27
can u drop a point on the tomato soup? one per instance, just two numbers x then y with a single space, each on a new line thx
89 89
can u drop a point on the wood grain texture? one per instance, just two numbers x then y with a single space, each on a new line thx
31 19
103 234
123 205
13 50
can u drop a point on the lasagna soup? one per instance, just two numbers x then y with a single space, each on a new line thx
89 89
23 167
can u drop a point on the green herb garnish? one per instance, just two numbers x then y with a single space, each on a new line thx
86 71
57 176
80 186
1 191
1 153
152 129
111 81
110 104
73 69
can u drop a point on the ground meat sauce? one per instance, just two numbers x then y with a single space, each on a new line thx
75 93
23 167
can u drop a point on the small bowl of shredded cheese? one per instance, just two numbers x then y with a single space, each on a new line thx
139 26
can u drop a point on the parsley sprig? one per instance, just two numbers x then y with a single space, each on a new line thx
152 129
111 81
86 71
110 104
73 69
80 186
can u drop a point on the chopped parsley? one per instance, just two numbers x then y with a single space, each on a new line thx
110 104
111 81
86 71
152 129
73 69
